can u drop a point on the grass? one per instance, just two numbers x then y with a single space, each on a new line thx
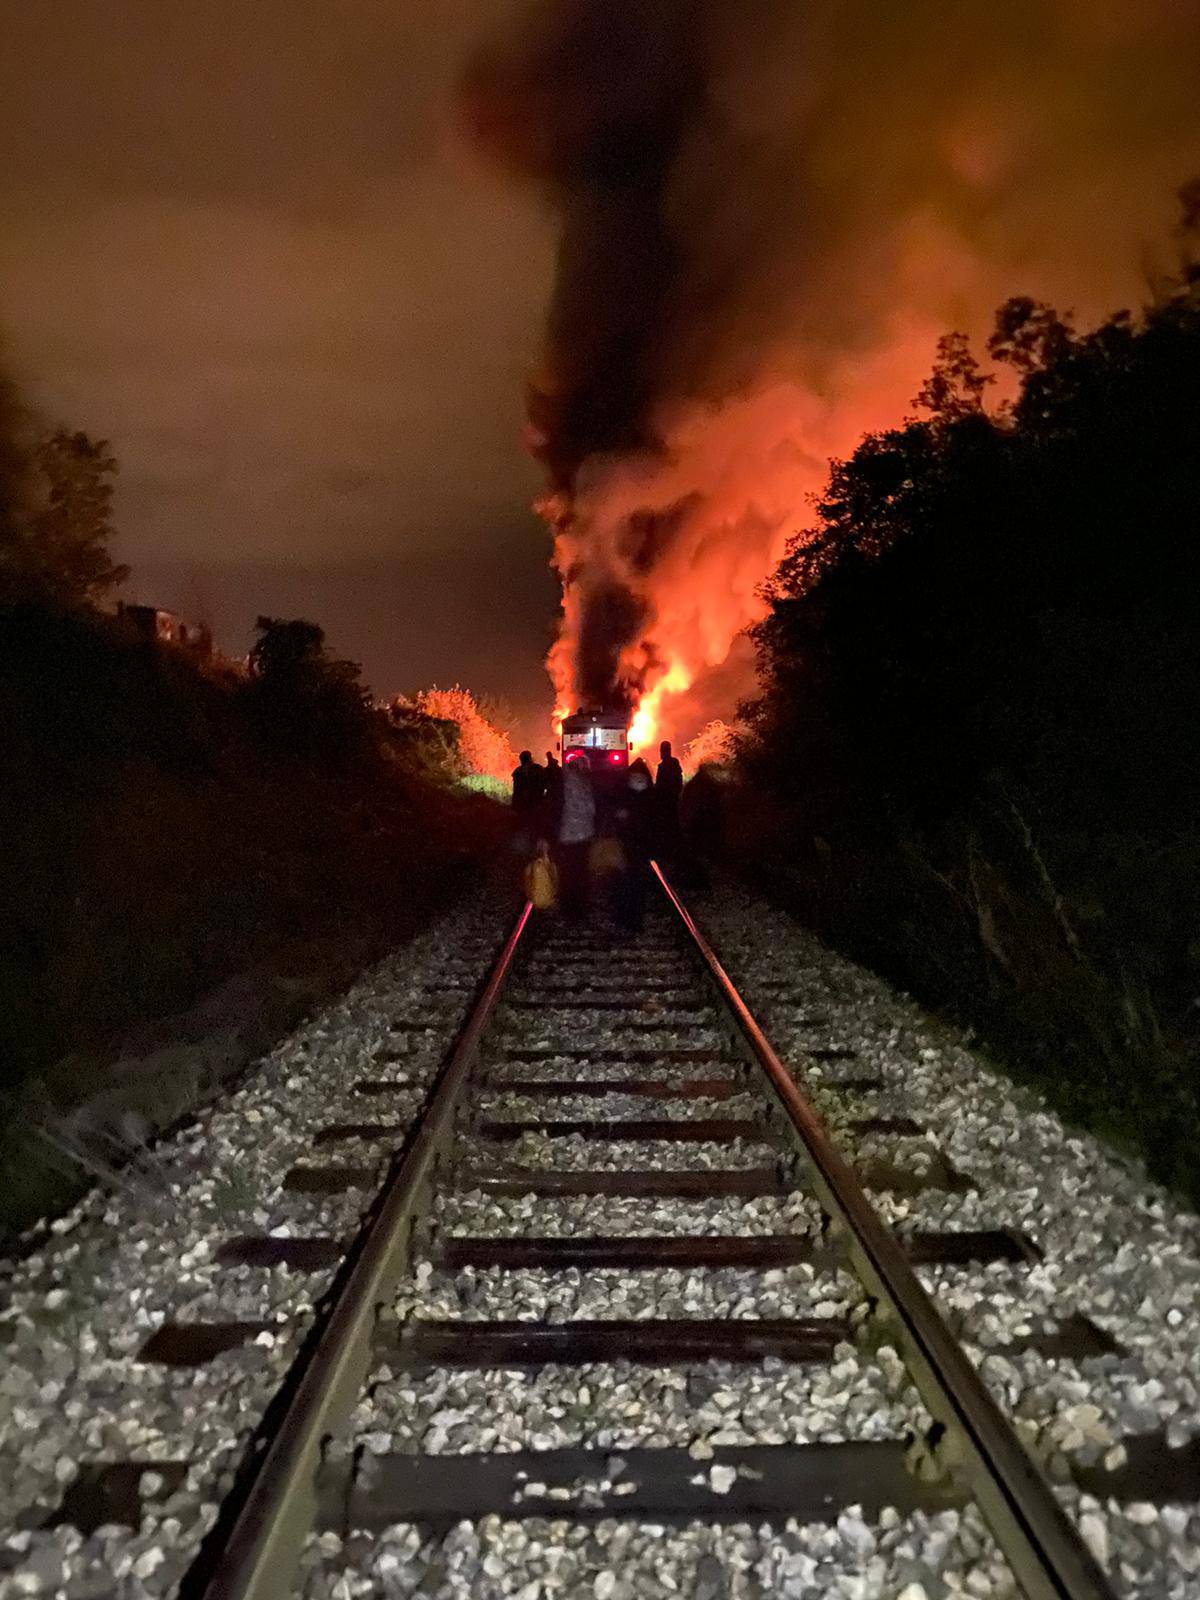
235 1194
479 783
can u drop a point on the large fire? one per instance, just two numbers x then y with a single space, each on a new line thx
736 483
647 723
768 214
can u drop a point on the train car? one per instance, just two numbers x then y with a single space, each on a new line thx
601 739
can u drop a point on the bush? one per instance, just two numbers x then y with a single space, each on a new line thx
170 825
485 749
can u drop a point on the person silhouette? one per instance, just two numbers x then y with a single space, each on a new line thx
572 821
668 789
528 790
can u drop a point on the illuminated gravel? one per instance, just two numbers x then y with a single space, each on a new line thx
470 1212
898 1558
1115 1249
78 1310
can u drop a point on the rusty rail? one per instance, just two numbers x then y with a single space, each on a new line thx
258 1558
1049 1558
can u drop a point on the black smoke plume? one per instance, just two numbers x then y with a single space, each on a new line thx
758 191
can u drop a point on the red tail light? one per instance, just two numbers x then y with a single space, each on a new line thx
616 757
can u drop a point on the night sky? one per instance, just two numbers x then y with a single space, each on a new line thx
252 245
243 243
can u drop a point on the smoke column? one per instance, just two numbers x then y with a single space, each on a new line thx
768 213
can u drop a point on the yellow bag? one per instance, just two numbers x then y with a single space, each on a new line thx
606 857
541 882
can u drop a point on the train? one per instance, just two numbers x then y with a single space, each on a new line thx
599 738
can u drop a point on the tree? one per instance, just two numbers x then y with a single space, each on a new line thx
429 745
485 749
311 703
286 648
713 744
55 535
1029 335
955 387
979 689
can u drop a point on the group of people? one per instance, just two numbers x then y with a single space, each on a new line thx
562 806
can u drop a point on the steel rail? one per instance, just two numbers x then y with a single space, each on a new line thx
1050 1560
259 1557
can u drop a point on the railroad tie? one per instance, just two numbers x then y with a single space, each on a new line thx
406 1239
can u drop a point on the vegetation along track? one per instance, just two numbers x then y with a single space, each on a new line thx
610 1118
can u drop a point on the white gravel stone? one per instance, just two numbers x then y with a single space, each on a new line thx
494 1559
1114 1248
537 1153
464 1213
537 1294
79 1306
616 1406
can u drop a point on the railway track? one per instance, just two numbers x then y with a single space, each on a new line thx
773 1146
608 1211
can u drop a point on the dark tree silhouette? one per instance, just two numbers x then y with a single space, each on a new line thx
57 521
956 386
286 649
980 687
310 703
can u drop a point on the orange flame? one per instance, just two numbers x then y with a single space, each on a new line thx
646 727
749 470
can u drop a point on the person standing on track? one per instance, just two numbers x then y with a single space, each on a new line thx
668 789
633 815
573 827
528 787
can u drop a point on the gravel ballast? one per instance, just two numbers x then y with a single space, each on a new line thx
1115 1248
81 1306
901 1558
1112 1249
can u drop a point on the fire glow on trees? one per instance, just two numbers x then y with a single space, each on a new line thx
769 212
485 749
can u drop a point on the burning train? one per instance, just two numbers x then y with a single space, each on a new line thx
599 738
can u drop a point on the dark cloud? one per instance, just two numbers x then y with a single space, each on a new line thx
611 612
594 102
242 242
